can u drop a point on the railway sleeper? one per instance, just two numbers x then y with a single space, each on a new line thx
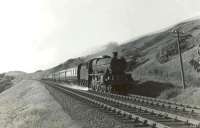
121 102
163 105
140 108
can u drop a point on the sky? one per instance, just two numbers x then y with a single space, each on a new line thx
39 34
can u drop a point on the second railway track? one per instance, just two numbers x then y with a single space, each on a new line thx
182 110
148 117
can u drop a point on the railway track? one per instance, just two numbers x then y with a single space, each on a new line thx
139 114
181 110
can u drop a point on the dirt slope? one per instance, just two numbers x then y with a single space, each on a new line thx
28 104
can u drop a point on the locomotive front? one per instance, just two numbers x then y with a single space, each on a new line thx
108 75
100 74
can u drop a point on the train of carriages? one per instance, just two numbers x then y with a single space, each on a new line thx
103 74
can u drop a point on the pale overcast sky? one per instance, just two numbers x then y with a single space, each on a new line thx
38 34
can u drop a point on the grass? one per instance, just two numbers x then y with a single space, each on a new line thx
189 96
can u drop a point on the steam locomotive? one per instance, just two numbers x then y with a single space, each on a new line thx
97 74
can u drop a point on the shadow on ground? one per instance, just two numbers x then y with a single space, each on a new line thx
149 88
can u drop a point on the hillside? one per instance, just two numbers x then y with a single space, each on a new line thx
15 73
164 44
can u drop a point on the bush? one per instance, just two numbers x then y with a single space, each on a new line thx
170 93
2 75
6 82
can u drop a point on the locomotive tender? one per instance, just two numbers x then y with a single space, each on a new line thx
97 74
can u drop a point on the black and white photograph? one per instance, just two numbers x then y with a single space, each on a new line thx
99 64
